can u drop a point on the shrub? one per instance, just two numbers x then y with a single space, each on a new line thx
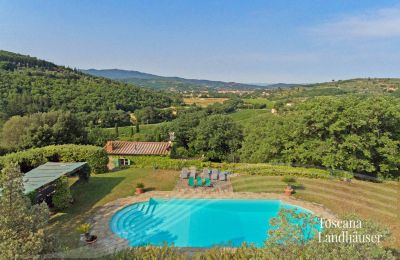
83 228
62 196
288 180
159 162
96 157
140 185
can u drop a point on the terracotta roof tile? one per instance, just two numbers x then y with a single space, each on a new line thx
137 148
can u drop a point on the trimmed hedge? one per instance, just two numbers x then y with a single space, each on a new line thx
243 168
158 162
96 157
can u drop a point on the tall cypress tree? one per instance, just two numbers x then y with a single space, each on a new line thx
116 130
137 127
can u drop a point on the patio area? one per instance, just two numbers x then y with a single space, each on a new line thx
211 181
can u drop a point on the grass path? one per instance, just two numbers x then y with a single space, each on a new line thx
100 190
377 201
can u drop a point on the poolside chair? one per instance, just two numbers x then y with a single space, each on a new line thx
214 174
199 181
222 176
192 174
184 173
206 172
191 182
207 182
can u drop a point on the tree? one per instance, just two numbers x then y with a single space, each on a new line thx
62 196
351 133
41 129
296 235
116 130
22 233
132 132
217 137
99 136
137 127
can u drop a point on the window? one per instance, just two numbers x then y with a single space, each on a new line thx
124 162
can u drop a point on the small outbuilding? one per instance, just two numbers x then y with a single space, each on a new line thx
118 151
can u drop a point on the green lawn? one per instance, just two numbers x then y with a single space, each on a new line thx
102 189
376 201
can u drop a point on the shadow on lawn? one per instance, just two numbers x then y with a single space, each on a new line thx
87 194
298 186
149 189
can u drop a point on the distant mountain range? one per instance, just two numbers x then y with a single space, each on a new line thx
176 83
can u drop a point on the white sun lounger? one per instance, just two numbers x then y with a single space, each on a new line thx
184 173
214 174
222 176
206 172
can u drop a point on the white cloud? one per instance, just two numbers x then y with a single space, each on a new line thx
380 24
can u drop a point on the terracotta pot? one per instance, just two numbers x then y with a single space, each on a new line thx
139 190
92 240
289 190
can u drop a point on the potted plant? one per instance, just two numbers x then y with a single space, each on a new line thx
289 190
139 188
84 230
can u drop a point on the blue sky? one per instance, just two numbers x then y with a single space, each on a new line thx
243 41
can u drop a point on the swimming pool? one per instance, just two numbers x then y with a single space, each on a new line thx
196 222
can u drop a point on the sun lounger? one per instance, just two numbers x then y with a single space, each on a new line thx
207 182
214 175
222 176
184 173
199 181
191 182
206 172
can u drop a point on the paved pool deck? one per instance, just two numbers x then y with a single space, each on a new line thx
108 242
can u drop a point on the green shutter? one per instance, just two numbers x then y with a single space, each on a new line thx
116 162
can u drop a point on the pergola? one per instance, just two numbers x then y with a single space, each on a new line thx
41 179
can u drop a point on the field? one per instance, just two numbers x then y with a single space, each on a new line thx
259 101
376 201
243 116
203 102
100 190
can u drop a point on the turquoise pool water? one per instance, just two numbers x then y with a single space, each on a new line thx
196 222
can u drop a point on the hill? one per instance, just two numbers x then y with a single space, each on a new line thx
29 85
170 83
359 86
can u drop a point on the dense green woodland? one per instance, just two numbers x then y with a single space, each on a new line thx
29 85
352 133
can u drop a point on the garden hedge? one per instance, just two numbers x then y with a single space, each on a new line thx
96 157
242 168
